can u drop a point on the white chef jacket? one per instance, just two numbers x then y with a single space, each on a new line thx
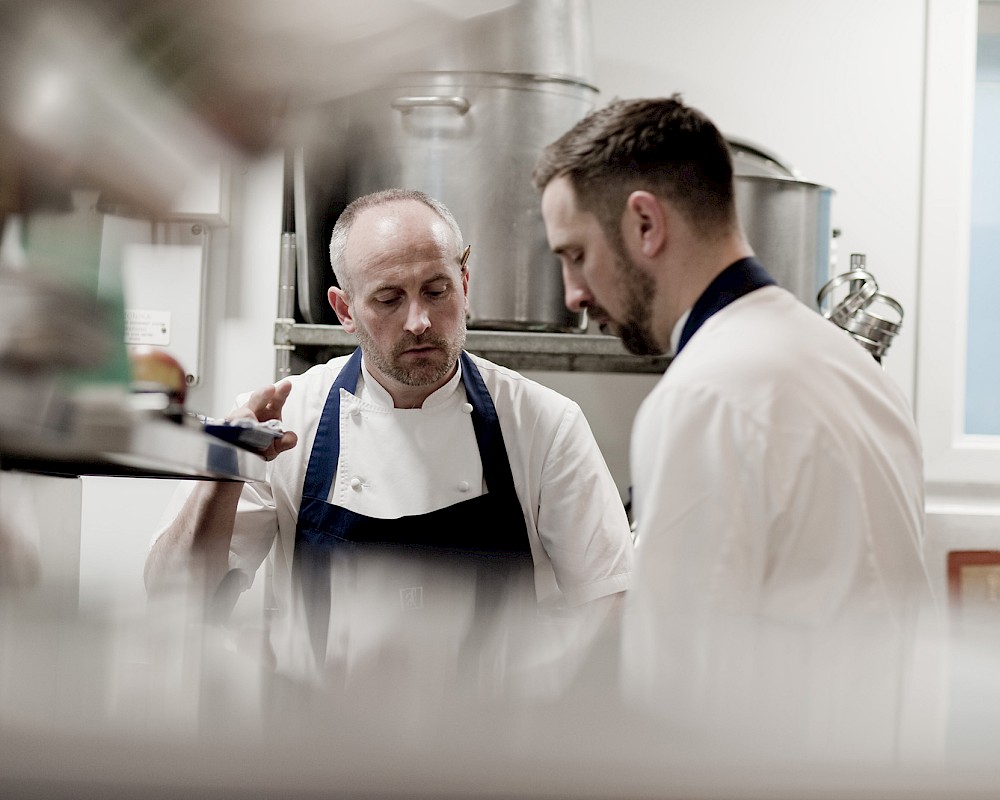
778 493
397 462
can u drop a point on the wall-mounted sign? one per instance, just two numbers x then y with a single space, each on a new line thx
147 327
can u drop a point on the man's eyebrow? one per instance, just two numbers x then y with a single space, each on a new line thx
389 287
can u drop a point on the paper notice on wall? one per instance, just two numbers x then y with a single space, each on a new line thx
147 327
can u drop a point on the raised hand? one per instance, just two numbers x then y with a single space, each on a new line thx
265 404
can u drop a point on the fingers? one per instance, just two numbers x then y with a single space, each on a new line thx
265 403
287 441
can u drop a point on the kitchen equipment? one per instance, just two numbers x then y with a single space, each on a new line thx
786 219
471 139
750 158
467 130
787 222
255 436
855 312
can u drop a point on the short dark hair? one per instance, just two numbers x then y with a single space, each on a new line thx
657 144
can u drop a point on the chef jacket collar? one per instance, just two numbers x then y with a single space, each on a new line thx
374 392
675 334
738 279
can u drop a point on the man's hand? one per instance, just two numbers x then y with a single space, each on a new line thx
266 404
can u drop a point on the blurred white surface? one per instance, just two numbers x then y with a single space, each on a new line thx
123 701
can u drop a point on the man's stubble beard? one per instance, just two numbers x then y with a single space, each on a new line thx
635 331
432 371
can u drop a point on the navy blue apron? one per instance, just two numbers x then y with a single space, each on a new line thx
487 531
738 279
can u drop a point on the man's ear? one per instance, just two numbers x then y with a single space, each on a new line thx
645 223
338 300
465 287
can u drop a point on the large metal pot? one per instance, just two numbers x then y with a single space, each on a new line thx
787 222
471 139
786 219
467 129
536 37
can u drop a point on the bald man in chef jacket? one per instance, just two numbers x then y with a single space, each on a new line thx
409 446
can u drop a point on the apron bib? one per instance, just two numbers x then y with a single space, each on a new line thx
484 536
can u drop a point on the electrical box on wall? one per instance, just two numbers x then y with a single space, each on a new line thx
163 285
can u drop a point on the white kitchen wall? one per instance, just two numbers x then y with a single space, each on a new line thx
120 515
833 86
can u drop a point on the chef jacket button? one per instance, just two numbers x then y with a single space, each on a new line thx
356 484
355 412
463 486
467 408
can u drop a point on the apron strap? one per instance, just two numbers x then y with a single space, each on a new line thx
326 447
489 437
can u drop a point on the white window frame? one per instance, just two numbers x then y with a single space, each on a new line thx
957 465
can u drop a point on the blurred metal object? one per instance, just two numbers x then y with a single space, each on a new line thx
66 405
83 110
133 98
124 105
46 325
854 310
553 37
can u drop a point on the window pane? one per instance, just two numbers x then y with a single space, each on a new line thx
982 383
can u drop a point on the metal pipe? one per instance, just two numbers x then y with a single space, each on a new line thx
286 272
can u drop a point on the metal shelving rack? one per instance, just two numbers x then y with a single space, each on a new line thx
301 345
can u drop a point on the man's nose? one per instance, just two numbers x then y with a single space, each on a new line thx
417 318
577 294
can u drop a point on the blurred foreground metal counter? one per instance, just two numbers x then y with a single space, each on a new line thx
148 445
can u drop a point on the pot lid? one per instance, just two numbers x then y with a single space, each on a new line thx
750 158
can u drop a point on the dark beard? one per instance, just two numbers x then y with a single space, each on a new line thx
637 339
634 332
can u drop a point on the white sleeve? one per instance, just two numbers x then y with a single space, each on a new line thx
255 529
256 519
581 519
253 533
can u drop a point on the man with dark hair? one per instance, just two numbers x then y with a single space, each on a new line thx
777 471
409 446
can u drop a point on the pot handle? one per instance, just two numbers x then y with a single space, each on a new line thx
407 104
